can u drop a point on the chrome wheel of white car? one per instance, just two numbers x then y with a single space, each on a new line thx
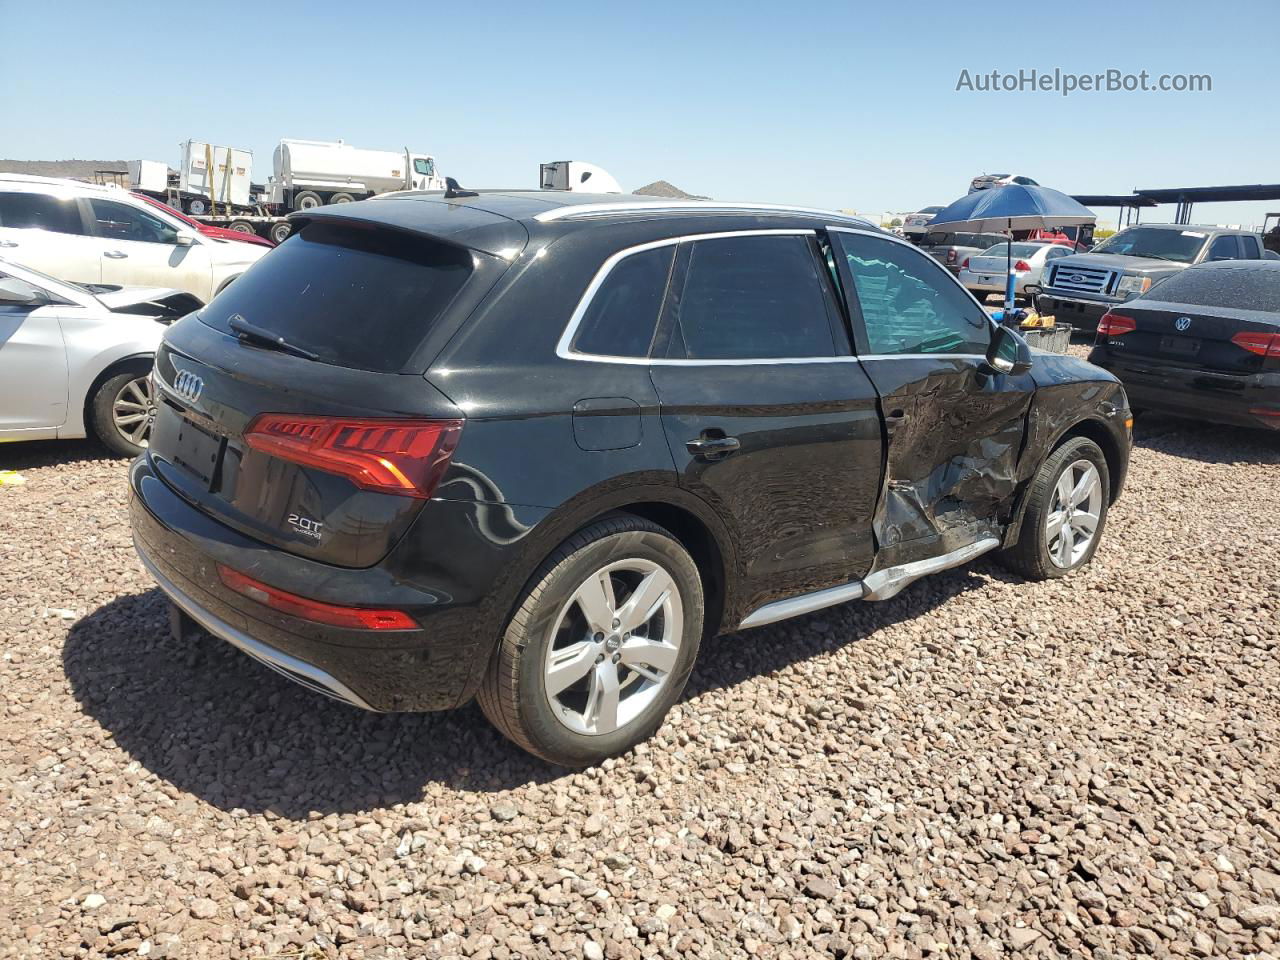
1074 514
133 411
615 644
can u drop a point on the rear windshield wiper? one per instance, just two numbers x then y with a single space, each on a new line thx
265 338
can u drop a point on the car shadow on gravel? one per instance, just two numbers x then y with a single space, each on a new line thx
226 729
32 454
1206 442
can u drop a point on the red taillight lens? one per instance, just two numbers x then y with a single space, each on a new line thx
405 457
965 265
356 618
1022 266
1263 344
1116 324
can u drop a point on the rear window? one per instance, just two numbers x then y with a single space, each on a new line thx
39 211
1019 250
1238 288
355 297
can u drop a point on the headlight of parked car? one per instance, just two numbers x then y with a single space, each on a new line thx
1132 286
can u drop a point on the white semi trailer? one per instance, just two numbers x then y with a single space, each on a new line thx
576 175
312 173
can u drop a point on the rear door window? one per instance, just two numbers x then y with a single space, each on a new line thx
620 319
40 211
1252 248
752 297
356 297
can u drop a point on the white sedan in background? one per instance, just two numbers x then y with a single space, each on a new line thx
76 359
86 233
987 271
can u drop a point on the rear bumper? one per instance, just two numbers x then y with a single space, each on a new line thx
1194 393
433 668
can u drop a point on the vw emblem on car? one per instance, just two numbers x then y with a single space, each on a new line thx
1182 323
188 386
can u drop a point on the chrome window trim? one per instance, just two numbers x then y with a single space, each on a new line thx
564 349
586 211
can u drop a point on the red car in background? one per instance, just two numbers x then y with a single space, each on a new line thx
218 233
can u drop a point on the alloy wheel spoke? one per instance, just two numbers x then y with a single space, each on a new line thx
645 600
569 665
596 600
1053 527
602 702
1063 489
1084 488
129 406
1085 523
135 391
131 418
639 651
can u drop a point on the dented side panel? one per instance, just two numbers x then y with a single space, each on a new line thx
956 436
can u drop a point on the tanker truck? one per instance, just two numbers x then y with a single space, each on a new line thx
312 173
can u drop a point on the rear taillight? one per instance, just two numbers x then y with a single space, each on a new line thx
1263 344
1116 324
965 265
405 457
1022 266
356 618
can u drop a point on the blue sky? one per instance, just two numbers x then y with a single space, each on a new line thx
833 105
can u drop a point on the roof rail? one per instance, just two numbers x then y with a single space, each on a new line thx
585 211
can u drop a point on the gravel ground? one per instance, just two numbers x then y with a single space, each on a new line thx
979 767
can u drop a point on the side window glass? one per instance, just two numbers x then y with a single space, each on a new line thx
908 303
118 221
40 211
1252 248
423 165
753 297
620 319
1224 248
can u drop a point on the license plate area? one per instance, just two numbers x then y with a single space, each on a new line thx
187 446
1180 346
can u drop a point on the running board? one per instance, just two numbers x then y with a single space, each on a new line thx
880 585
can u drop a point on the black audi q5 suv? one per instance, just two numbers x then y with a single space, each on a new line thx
534 447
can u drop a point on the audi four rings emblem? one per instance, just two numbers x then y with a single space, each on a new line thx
1182 323
188 386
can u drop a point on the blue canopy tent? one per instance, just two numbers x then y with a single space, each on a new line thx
1013 207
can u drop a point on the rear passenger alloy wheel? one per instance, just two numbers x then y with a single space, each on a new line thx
123 411
1066 512
601 645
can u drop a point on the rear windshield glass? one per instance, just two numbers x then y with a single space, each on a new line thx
355 297
1019 250
1241 288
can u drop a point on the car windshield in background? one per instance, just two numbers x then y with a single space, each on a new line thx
1181 246
931 210
1019 250
1240 288
355 298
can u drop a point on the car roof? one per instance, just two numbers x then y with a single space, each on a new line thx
1271 265
496 221
62 182
1184 226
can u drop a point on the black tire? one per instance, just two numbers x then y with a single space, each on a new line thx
342 198
980 294
307 200
1030 556
101 415
197 207
514 695
241 226
279 232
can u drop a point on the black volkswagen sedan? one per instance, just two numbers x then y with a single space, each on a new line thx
1203 344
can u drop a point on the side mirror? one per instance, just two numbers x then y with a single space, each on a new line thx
1008 352
18 293
184 240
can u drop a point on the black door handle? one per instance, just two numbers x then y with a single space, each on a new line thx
712 448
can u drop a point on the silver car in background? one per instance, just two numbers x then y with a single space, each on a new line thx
987 271
915 225
75 359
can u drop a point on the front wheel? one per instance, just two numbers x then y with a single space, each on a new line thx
601 645
122 412
1066 513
